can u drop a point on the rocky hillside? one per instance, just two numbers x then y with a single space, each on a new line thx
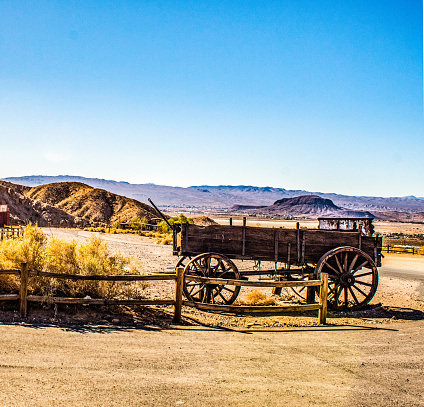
305 206
72 203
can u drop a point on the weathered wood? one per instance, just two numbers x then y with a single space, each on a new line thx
14 272
310 291
322 313
97 301
246 283
9 297
178 299
147 277
23 291
276 245
252 308
246 242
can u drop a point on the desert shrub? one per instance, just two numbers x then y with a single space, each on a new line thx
60 256
164 228
256 297
29 248
165 238
138 224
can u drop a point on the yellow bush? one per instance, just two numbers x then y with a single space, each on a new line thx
59 256
256 297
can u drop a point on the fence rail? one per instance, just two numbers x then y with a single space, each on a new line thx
11 232
177 301
403 249
321 306
24 298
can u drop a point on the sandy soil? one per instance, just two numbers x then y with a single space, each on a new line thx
103 357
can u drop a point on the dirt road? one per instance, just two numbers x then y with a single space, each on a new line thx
198 366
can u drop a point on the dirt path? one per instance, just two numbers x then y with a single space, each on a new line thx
198 366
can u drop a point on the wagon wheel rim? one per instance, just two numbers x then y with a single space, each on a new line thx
352 278
182 261
210 265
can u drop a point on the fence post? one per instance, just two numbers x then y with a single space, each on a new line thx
23 290
310 291
178 294
322 313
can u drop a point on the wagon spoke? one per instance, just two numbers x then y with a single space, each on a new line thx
207 295
363 283
225 300
353 263
345 262
359 268
346 297
364 274
227 289
338 264
332 290
358 289
198 267
337 293
208 265
198 291
353 295
332 268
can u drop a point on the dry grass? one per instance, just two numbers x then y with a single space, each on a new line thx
59 256
256 297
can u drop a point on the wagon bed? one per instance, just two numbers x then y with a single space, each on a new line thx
296 247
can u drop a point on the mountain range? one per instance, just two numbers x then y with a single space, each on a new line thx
224 197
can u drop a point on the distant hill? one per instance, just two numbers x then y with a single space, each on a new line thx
72 203
305 206
223 197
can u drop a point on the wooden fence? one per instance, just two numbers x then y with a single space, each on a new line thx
321 306
24 298
11 232
403 249
177 301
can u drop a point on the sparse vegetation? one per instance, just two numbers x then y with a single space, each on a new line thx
163 233
59 256
256 297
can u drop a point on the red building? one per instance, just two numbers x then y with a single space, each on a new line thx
4 215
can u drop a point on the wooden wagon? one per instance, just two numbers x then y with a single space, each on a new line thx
344 248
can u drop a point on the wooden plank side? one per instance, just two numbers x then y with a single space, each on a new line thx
260 243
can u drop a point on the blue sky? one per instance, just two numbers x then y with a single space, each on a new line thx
317 95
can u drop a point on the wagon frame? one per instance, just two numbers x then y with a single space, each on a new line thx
297 254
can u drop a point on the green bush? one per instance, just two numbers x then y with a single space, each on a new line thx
164 228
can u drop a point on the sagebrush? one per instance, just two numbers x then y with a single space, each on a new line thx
60 256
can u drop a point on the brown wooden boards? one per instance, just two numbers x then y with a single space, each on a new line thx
291 246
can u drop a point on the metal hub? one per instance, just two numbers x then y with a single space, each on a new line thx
347 279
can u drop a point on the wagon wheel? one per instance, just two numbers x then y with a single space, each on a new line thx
349 286
182 261
301 291
211 265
